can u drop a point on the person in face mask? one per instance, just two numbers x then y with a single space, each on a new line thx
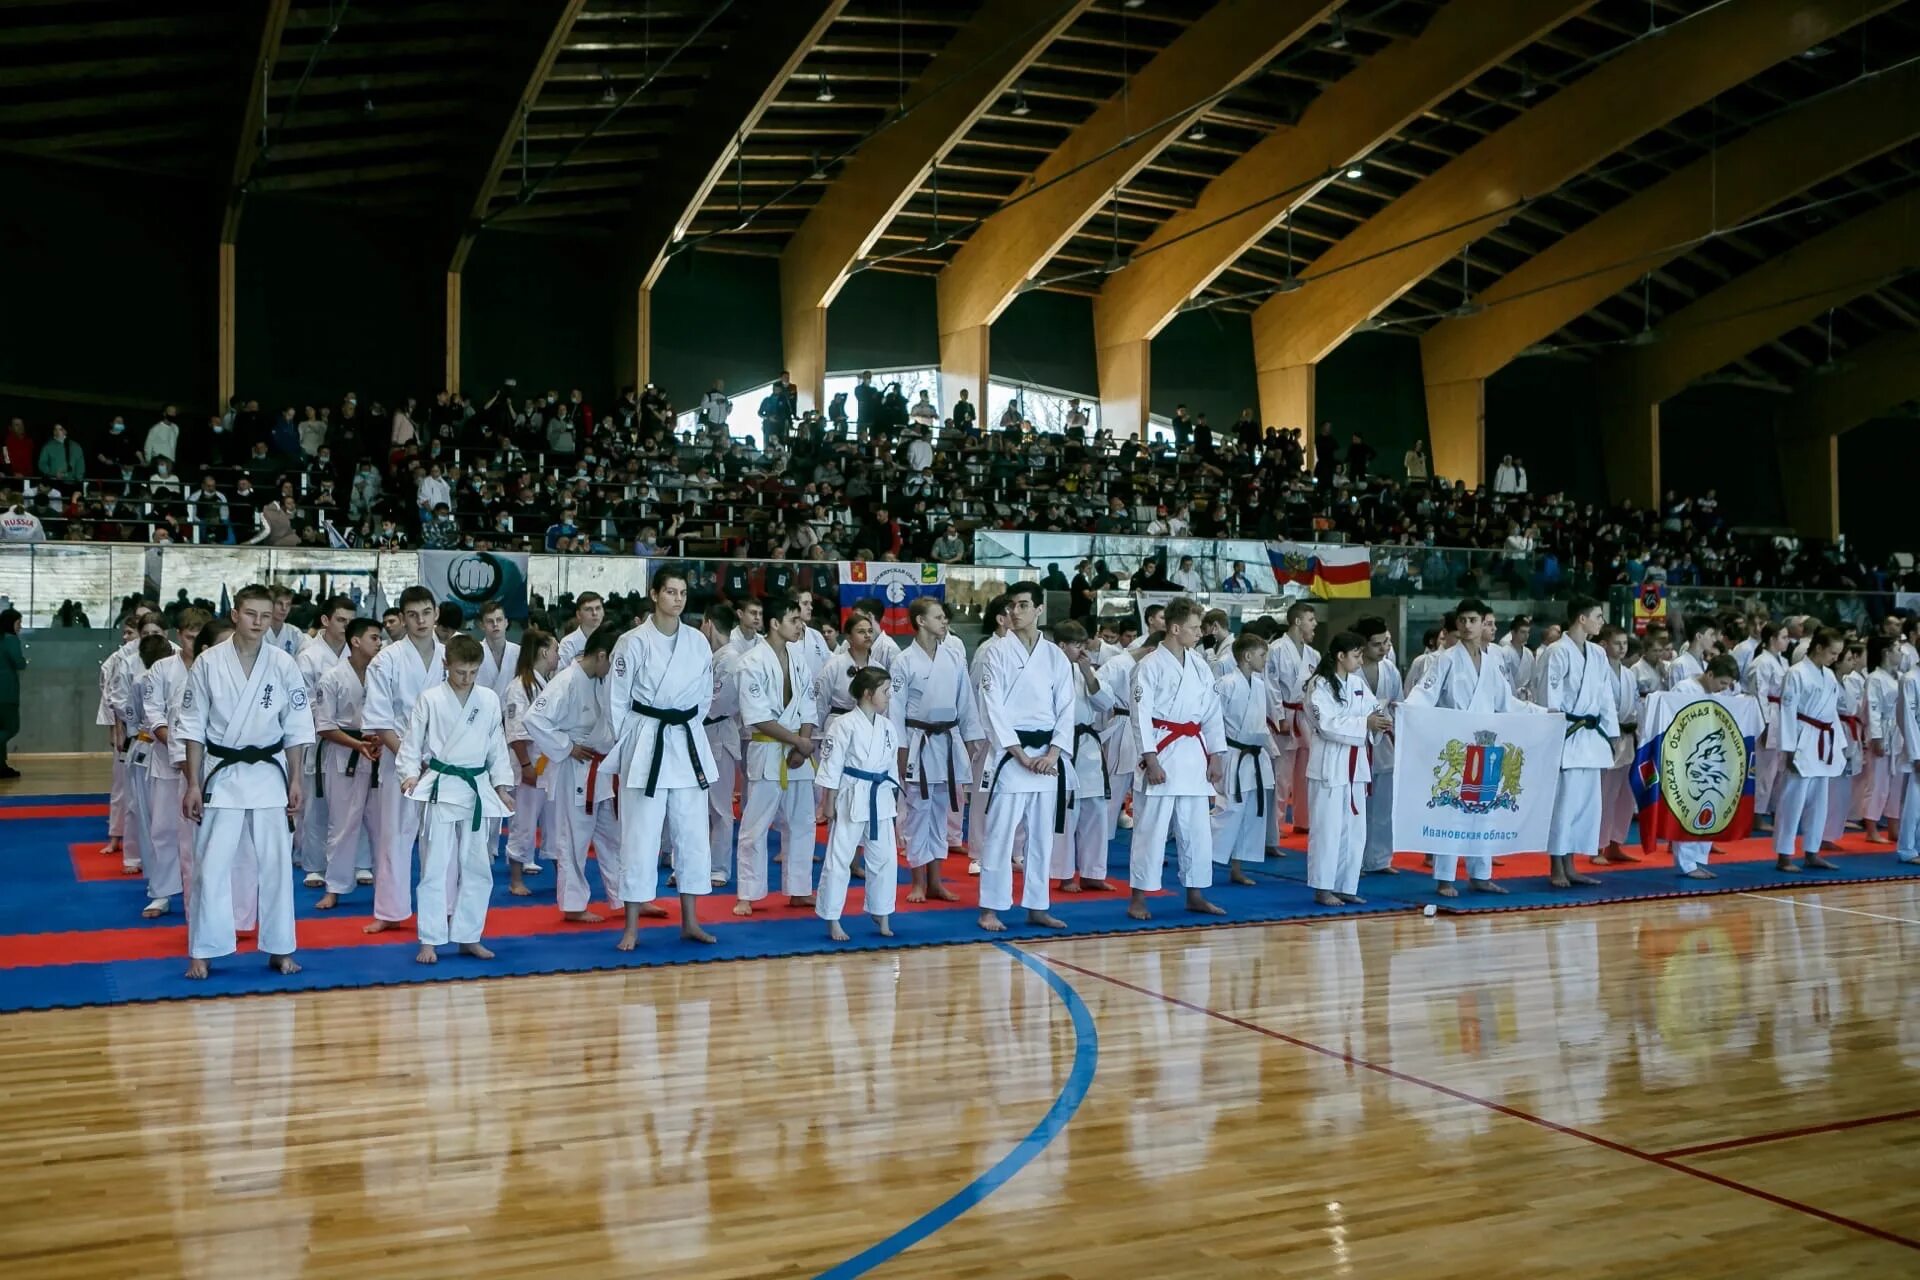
219 445
163 483
163 437
115 450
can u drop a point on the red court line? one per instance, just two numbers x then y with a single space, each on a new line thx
1663 1161
1781 1135
11 813
92 862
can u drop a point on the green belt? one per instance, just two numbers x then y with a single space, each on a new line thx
467 774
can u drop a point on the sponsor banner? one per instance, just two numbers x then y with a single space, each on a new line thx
1327 570
1693 774
896 585
471 578
1649 606
1471 782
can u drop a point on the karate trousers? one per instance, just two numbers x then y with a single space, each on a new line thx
847 837
1767 765
1300 794
789 808
1005 813
1337 841
1840 794
1909 847
927 822
1689 854
310 843
1575 825
1239 830
353 829
1081 850
118 799
1185 818
140 842
1121 784
455 863
1616 805
675 818
720 820
397 826
976 801
261 837
574 831
170 833
529 816
1873 795
1378 853
1447 865
1802 811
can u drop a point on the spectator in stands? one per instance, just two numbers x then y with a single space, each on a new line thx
778 409
116 449
440 532
1326 457
1237 582
431 492
924 414
163 437
162 483
1187 578
311 433
260 463
1246 431
1415 462
18 448
866 406
1182 428
1116 519
965 418
1359 458
1506 476
61 459
565 527
1202 437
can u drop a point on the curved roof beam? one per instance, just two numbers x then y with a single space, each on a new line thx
1869 380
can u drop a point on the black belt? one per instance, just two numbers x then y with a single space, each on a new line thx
1576 723
353 763
243 755
1092 731
1033 739
682 716
931 728
1247 749
353 758
712 720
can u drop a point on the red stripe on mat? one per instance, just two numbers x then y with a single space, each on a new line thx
91 861
11 813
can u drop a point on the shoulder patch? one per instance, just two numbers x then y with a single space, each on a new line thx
299 700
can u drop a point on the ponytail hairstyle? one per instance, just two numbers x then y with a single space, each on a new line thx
1343 642
532 644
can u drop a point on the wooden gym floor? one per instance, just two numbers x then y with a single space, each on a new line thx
1709 1087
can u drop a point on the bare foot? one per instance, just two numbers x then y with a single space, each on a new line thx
1353 899
917 894
692 932
1785 864
197 969
1446 891
1560 882
884 924
582 917
1388 870
1198 904
1089 885
940 893
1137 909
991 922
835 932
1818 863
426 955
1486 886
1045 921
1327 898
381 926
653 910
1878 836
806 901
1699 873
477 950
628 940
328 901
516 885
1070 886
153 911
743 908
1236 876
1580 878
1825 845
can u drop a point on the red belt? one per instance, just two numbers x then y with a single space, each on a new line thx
1176 730
1353 768
593 772
1825 743
1853 727
1296 708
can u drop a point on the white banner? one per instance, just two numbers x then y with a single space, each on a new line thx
1470 782
471 578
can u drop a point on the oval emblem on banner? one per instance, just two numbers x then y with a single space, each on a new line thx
1703 767
475 578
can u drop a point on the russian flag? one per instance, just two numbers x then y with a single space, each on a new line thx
1658 821
896 585
1327 570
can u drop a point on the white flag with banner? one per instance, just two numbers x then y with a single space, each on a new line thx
1472 782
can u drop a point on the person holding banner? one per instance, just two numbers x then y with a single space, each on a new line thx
1382 679
1810 743
1580 685
1181 741
1720 678
1026 699
1240 816
938 727
1291 661
1702 634
1344 716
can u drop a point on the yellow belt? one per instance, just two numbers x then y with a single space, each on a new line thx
144 737
761 737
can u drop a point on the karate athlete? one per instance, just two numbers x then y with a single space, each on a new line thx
747 625
1382 679
172 839
834 677
1809 740
287 639
1466 678
1026 699
976 821
118 800
1290 661
1436 642
1766 675
1116 677
349 763
500 657
1181 741
1080 852
571 724
937 726
158 839
533 667
1907 766
1702 635
721 724
1343 717
1849 670
123 703
1216 641
1616 784
1581 686
657 697
1722 675
883 647
776 706
316 657
1513 651
589 611
857 796
1240 815
454 763
244 719
813 644
395 680
1879 803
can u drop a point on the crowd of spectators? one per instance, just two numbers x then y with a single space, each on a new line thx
876 477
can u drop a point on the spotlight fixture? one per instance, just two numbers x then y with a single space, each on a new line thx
1529 87
608 96
1289 285
1817 52
825 93
1355 172
1198 133
1338 40
1133 4
1020 107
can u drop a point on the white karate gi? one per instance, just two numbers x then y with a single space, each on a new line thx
1907 765
315 659
117 799
1240 816
667 768
1116 677
1684 667
1743 654
497 673
1764 678
1338 771
1176 713
455 862
1616 784
246 893
123 701
288 639
1289 666
977 753
1379 850
1580 685
572 645
352 829
1519 661
831 683
1082 848
573 710
1810 739
722 727
1026 701
1453 680
395 680
530 814
929 693
1876 797
1851 707
778 794
161 778
862 811
225 707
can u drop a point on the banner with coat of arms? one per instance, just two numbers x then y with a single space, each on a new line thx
1693 774
1472 782
897 585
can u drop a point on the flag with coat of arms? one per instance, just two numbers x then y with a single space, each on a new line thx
896 585
1693 773
1327 570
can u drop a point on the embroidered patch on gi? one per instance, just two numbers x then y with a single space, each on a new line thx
266 697
299 699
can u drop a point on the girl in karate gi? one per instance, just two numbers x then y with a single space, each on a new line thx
1906 766
1239 814
539 653
1814 752
1341 714
172 838
1879 799
1844 790
857 795
454 761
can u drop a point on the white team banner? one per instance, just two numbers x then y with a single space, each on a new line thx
1472 782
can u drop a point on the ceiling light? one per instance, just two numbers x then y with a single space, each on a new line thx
1644 338
1355 172
1020 107
608 96
1338 40
825 93
1466 309
1528 85
1818 51
1198 133
1133 4
819 168
366 108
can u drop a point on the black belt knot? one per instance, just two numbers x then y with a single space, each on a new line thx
682 716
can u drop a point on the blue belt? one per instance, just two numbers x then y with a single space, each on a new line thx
878 779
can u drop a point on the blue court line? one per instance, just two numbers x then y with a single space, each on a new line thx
1086 1059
